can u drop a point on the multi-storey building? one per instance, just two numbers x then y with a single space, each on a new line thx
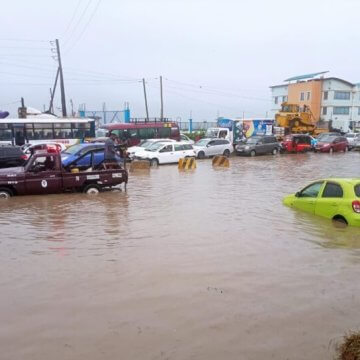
328 98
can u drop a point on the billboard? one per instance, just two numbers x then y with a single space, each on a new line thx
247 128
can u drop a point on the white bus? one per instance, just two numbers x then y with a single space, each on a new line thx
67 131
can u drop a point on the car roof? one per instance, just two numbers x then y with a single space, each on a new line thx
350 181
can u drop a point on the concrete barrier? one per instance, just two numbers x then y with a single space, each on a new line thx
187 163
221 161
139 165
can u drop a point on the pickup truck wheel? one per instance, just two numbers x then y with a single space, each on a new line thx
154 162
5 193
226 152
91 189
275 151
346 149
331 150
252 153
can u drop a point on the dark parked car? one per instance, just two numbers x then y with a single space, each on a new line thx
257 145
11 156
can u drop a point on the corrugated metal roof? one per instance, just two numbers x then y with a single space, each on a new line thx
307 76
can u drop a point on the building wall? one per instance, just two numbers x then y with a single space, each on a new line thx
307 93
279 95
333 105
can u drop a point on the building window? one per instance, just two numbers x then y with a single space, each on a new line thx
276 100
325 110
302 96
342 95
326 94
284 98
358 110
308 95
341 110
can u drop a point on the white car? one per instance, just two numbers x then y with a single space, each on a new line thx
352 138
186 139
144 144
167 153
211 147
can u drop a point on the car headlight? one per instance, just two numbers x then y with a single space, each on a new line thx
247 147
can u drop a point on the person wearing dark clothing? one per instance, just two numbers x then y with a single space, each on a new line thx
110 150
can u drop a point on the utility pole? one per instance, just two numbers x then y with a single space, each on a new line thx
146 105
161 100
62 87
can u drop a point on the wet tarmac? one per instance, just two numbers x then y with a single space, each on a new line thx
206 264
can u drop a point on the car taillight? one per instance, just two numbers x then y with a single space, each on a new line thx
23 157
356 206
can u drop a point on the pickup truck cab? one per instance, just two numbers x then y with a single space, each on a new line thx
44 174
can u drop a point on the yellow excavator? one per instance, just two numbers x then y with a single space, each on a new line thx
297 120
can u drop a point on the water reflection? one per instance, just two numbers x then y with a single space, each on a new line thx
97 269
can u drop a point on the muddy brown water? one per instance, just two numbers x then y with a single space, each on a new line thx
186 265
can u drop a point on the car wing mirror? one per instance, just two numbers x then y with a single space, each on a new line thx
297 194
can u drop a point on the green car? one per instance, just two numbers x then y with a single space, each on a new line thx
336 199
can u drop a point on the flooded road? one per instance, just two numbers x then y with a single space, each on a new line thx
200 265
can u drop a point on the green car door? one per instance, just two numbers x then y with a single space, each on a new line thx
328 203
306 198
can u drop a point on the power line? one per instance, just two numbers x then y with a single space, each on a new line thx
23 40
78 22
73 17
85 27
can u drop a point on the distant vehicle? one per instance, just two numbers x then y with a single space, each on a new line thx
332 144
185 139
144 144
296 143
336 199
11 156
67 131
326 134
211 147
82 155
44 174
132 133
352 138
166 153
29 149
259 145
237 130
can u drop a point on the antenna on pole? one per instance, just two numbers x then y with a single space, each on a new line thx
62 87
146 104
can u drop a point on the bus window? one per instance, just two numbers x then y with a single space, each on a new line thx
5 135
43 131
62 131
164 132
147 133
81 130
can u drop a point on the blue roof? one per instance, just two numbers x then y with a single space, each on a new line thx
307 76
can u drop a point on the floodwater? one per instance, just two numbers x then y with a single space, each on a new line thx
200 265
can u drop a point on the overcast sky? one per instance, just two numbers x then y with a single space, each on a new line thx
216 57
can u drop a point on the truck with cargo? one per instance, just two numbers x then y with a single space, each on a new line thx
237 130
